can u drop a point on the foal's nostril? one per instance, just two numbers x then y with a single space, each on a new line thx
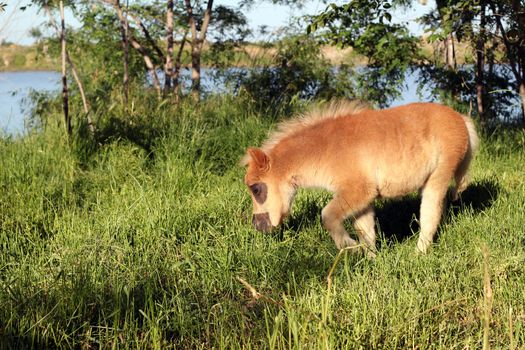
262 222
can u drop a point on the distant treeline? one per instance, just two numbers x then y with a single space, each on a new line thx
121 45
15 58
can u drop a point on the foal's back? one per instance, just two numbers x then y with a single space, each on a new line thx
394 151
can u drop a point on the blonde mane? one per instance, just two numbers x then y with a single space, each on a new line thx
331 110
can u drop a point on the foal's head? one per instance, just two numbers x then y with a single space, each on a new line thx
271 193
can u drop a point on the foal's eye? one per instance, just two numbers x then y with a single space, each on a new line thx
259 191
256 189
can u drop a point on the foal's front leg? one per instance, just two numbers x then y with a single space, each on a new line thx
364 225
343 205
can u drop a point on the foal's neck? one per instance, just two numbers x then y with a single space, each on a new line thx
300 162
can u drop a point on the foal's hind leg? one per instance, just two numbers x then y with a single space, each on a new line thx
339 208
461 177
364 225
432 199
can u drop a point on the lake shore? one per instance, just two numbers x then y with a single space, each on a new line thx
37 57
17 58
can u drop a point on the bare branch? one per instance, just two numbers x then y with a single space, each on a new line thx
136 45
75 74
124 33
193 25
206 21
65 94
147 35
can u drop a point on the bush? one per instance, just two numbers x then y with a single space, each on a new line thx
298 72
19 60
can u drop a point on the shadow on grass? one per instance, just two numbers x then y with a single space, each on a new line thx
399 219
114 129
17 341
478 196
308 215
80 319
138 133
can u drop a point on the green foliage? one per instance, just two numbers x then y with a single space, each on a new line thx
457 88
229 24
19 60
96 51
501 56
365 26
129 246
297 73
228 32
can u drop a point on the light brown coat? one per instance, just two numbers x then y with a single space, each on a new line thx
360 155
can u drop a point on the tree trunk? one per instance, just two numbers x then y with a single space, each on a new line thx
514 62
450 54
168 67
480 67
521 81
195 68
125 48
65 95
75 75
140 49
176 85
522 95
197 41
91 126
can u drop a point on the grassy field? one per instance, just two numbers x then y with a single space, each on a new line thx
144 242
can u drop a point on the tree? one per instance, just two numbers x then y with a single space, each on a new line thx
151 26
447 25
65 92
510 21
198 37
124 33
73 70
391 50
47 6
367 27
454 20
499 24
136 44
168 65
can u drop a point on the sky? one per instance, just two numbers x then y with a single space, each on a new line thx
15 24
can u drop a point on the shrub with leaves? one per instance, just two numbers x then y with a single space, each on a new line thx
298 72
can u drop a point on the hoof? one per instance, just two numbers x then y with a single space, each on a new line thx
369 253
422 249
346 242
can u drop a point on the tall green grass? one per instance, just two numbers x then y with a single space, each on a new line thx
141 242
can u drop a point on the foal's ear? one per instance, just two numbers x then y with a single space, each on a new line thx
259 158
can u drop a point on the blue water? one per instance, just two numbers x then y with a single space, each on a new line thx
15 87
14 90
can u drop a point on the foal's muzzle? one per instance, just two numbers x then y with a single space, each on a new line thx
262 222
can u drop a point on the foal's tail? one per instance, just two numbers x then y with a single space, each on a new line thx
461 176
